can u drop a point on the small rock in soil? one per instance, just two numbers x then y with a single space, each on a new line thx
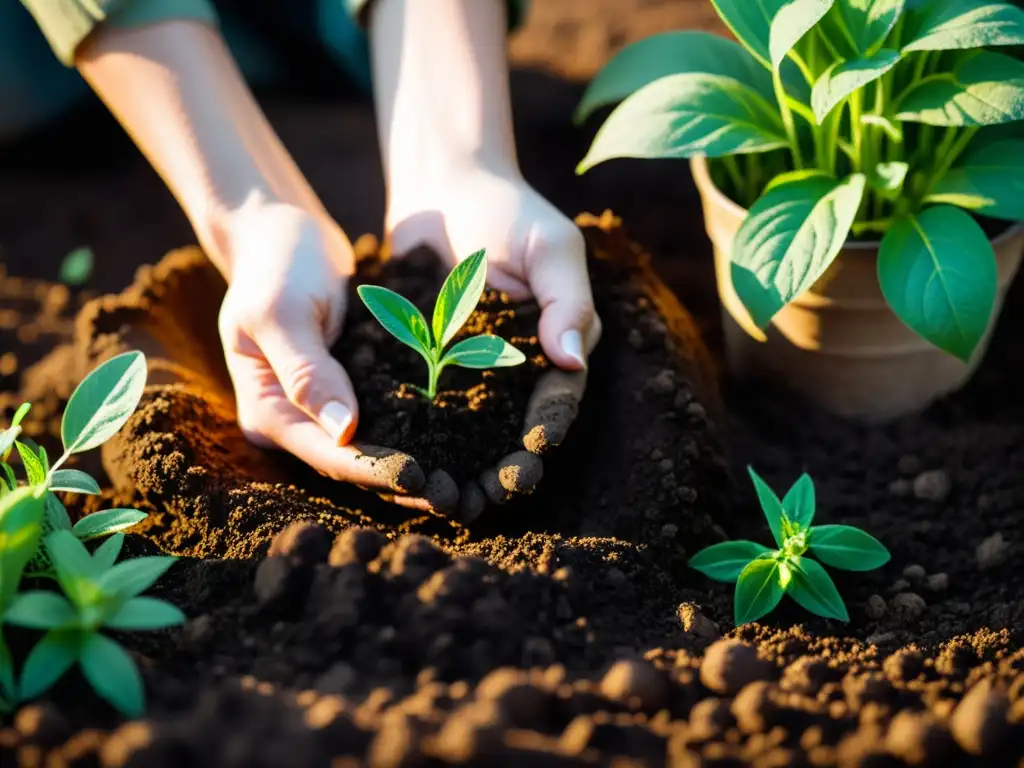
755 708
979 722
915 574
932 485
937 582
900 585
991 552
356 545
697 623
918 738
631 680
908 606
876 607
304 542
730 664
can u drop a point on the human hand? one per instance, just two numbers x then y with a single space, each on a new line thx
534 252
284 308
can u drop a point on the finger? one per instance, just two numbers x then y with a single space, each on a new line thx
569 328
440 495
517 474
313 381
472 502
552 409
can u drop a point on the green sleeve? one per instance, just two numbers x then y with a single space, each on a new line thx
66 23
516 11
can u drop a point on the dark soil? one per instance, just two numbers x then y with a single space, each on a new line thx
328 628
477 418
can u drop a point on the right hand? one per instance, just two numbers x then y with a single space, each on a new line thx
288 270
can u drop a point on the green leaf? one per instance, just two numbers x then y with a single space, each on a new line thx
75 481
887 178
984 88
398 316
56 516
799 501
76 267
47 662
792 20
680 116
37 609
990 180
141 613
76 572
483 352
671 53
106 553
844 77
813 589
725 561
21 413
129 578
856 28
799 175
21 526
9 476
33 466
846 547
102 403
771 506
459 296
964 24
789 238
112 674
106 522
938 273
893 130
758 590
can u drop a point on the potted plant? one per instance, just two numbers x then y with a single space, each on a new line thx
842 149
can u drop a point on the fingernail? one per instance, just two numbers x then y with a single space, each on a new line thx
335 418
572 345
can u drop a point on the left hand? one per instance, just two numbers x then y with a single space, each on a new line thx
533 252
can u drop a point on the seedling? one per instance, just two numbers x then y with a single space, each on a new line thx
763 575
98 408
99 595
458 298
884 119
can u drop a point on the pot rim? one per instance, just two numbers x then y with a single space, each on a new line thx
702 178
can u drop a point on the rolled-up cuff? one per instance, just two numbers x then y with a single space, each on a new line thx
516 11
66 23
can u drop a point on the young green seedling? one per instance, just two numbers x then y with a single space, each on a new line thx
98 408
763 575
458 298
99 595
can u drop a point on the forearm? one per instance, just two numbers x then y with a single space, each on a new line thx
178 93
441 86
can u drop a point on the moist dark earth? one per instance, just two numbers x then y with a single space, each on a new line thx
329 628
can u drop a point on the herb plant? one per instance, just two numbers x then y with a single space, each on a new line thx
764 575
97 592
458 298
834 118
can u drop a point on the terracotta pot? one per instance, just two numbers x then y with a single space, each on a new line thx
839 344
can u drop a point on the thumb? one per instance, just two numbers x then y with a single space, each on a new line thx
569 327
312 380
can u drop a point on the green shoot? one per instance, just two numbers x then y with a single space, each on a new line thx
763 575
77 266
458 298
99 595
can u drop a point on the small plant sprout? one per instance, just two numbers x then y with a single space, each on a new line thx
458 298
99 595
98 408
764 575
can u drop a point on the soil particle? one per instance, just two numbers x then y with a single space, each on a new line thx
979 721
915 574
695 622
933 485
937 582
919 739
637 684
908 606
876 607
991 552
730 664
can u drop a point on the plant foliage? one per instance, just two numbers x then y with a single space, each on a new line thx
764 575
37 539
837 118
458 298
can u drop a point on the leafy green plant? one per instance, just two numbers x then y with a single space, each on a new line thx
99 594
458 298
839 118
764 575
